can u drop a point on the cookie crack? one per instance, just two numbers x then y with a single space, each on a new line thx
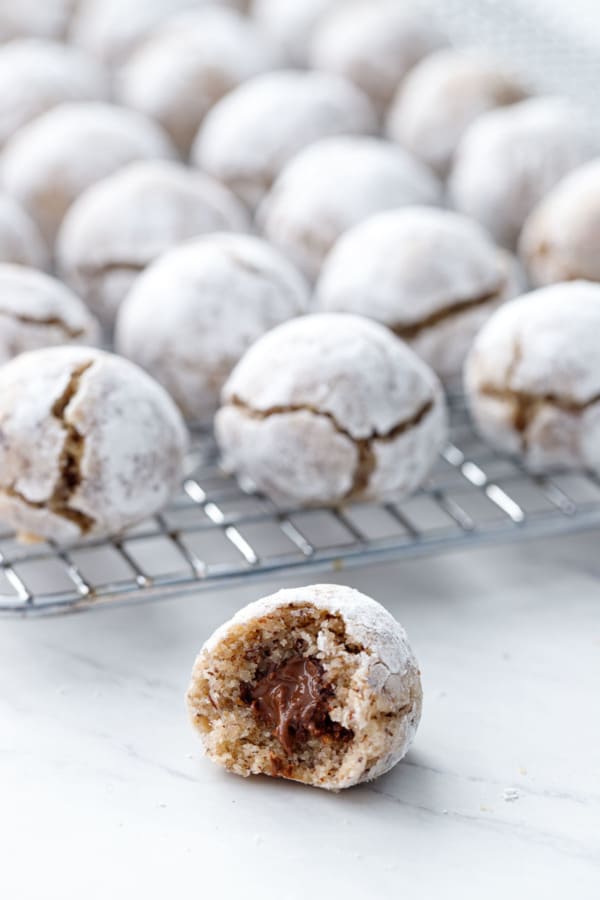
409 332
45 321
366 459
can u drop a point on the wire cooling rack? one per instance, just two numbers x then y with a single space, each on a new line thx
216 532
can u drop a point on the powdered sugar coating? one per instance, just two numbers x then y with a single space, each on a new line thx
509 158
20 239
50 161
332 185
188 64
533 377
291 24
387 662
32 18
191 316
441 96
121 224
132 441
39 311
305 423
374 43
250 134
406 267
36 75
559 241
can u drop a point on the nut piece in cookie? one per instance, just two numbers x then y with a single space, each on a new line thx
533 377
317 684
89 444
434 277
328 408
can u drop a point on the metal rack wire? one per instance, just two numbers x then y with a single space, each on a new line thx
216 532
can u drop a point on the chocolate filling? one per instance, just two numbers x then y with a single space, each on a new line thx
292 700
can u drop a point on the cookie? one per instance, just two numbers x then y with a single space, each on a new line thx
290 24
30 18
316 684
20 238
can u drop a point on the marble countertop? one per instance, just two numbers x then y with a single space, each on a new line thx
104 793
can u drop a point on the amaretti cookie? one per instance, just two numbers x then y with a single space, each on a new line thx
290 24
434 277
121 224
189 63
441 96
30 18
374 43
330 408
561 238
50 161
39 311
332 185
249 135
509 158
191 316
36 75
533 377
316 684
90 444
20 238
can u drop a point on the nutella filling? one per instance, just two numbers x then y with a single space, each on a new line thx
292 700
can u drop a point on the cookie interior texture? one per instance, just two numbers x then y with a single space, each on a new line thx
277 696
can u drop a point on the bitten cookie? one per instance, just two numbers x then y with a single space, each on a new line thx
332 185
249 135
192 315
509 158
533 377
329 408
434 277
316 684
121 224
89 444
39 311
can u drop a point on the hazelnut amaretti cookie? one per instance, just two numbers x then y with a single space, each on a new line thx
316 684
533 377
330 408
89 444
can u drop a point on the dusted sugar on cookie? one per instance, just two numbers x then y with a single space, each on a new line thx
50 161
561 238
434 277
39 311
20 239
374 43
34 18
316 684
36 75
250 134
120 225
330 408
441 97
191 316
188 64
509 158
332 185
533 377
90 444
290 24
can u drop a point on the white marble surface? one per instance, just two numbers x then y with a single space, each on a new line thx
104 794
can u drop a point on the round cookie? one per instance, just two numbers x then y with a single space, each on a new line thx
191 316
533 377
317 684
561 238
32 18
441 97
91 444
290 24
39 311
20 239
373 43
432 276
121 224
249 135
188 64
309 425
36 75
50 161
332 185
509 158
